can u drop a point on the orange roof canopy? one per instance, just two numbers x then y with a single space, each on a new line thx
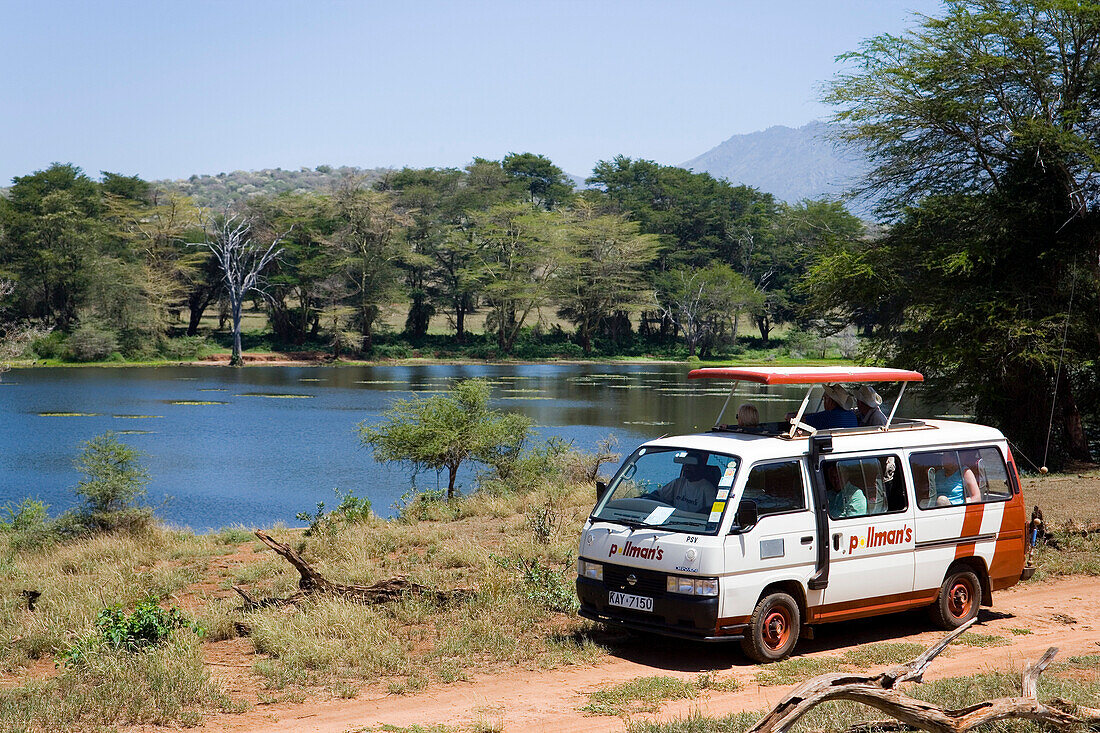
806 375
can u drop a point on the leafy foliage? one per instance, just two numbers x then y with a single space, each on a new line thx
147 625
114 484
442 431
350 510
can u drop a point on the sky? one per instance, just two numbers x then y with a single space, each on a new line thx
166 89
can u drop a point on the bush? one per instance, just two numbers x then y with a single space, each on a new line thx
114 484
51 346
350 510
148 625
186 348
27 525
91 342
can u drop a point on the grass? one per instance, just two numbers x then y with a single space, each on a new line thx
951 693
793 670
646 694
881 654
980 640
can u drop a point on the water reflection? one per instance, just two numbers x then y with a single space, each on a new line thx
257 445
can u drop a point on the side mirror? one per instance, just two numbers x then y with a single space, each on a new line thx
601 489
747 515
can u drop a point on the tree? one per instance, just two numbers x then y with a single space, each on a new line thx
442 432
368 237
520 249
604 270
705 304
242 261
15 336
545 183
114 484
982 129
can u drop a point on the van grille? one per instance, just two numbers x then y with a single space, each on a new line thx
649 583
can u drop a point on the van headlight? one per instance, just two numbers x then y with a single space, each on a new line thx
590 570
692 586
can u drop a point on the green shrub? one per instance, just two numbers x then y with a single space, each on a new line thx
542 584
91 342
147 625
50 346
114 483
186 348
27 525
350 510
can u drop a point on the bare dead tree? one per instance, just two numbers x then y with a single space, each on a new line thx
15 336
879 691
242 262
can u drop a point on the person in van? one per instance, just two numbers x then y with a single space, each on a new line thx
837 412
694 489
958 485
845 498
868 410
748 416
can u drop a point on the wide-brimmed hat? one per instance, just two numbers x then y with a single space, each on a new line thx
868 396
839 395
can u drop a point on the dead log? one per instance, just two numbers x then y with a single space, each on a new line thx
312 583
878 691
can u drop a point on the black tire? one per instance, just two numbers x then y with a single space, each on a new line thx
959 599
773 628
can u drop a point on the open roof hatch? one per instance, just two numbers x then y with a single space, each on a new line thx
812 376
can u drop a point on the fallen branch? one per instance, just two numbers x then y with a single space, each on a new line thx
878 691
312 582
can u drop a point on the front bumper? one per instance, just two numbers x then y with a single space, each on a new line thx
684 617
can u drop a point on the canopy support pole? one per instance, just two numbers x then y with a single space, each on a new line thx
797 423
894 409
718 420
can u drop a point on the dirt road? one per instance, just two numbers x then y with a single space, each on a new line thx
1063 613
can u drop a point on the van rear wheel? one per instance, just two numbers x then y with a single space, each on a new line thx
959 599
773 628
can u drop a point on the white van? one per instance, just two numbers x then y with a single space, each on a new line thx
758 534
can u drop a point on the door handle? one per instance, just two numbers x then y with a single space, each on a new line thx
808 539
836 541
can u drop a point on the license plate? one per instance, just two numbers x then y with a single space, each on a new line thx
625 600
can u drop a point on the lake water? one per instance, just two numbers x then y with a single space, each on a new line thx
276 440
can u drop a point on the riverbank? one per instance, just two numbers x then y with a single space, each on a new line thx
505 622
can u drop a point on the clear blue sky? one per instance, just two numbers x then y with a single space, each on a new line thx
166 89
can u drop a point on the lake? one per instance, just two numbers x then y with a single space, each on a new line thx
255 446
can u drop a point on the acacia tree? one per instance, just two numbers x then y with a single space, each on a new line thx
603 271
242 262
520 249
705 304
442 432
15 335
983 132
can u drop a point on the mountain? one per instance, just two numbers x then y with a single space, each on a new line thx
791 163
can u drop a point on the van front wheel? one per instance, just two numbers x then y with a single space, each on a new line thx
959 599
773 629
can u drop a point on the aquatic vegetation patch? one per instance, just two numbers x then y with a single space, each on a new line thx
137 417
647 422
277 396
68 414
379 381
134 432
196 402
522 397
213 389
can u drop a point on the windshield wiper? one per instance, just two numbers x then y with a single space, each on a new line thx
632 523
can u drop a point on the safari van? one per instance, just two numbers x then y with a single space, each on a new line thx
747 545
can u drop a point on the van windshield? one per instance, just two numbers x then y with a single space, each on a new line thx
681 490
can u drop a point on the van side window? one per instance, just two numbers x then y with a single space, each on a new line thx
860 487
776 487
952 477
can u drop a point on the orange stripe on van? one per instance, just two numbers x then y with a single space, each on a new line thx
1009 554
972 526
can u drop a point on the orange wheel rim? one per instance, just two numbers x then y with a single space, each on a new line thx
960 599
777 628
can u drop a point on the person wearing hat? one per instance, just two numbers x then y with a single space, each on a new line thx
837 413
868 412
